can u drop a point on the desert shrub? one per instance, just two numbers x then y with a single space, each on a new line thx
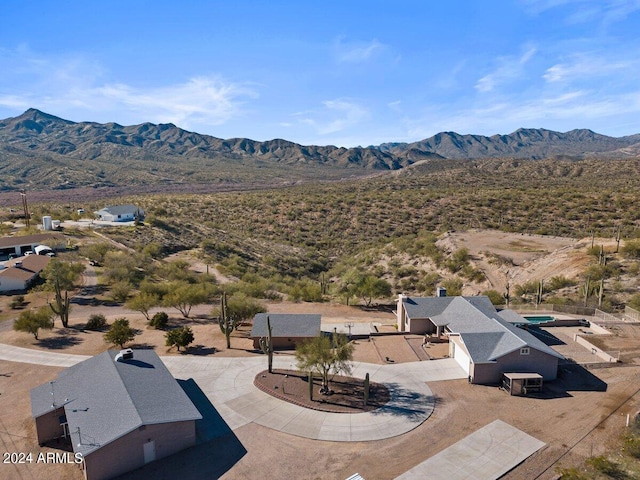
631 249
428 282
120 291
495 297
179 337
17 302
159 321
96 321
559 300
453 286
306 291
631 445
560 281
594 251
634 301
527 288
603 465
571 474
120 333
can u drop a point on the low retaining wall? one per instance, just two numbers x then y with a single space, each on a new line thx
595 350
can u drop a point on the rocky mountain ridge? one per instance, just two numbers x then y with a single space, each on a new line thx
39 150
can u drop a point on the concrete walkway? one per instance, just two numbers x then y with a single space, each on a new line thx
486 454
228 383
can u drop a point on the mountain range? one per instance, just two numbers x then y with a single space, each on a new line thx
42 151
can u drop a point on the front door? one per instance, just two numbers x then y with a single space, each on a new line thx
149 451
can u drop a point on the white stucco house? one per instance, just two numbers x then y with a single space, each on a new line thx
120 213
485 342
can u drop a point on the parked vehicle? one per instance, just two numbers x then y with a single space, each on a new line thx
44 250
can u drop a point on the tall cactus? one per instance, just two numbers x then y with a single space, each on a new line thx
366 388
226 324
266 345
61 307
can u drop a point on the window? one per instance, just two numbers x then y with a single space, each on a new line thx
524 351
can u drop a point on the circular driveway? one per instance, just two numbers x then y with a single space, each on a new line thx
228 384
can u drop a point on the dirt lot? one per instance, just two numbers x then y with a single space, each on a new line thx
528 256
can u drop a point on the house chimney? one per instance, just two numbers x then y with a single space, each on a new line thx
441 292
400 312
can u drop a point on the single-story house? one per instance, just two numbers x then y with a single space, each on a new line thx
23 272
19 245
485 343
287 329
118 410
120 213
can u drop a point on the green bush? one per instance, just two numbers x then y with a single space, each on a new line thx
159 321
603 465
97 321
120 333
17 302
179 337
495 297
631 249
558 282
631 445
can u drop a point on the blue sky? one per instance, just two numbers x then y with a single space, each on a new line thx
327 72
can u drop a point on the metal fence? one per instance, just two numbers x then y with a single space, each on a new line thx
606 317
631 314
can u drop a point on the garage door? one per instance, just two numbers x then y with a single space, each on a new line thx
461 357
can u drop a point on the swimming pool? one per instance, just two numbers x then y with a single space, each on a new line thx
539 318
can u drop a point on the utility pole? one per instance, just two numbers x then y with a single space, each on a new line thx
25 206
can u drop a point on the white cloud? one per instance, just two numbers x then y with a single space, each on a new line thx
509 68
336 116
605 12
75 87
356 52
565 111
584 66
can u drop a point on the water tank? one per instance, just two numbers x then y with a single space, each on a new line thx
47 223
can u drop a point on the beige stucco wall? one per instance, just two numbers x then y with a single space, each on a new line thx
48 426
126 453
536 362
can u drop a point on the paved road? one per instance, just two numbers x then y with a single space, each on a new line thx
228 383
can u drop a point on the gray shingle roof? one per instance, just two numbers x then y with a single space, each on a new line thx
286 325
106 399
485 333
121 209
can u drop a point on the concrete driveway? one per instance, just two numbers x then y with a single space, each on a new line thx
228 383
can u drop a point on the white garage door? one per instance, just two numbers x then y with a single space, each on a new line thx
461 357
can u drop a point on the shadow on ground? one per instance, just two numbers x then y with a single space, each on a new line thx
59 343
216 452
407 403
201 350
571 378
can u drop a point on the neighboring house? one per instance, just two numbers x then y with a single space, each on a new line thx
20 276
120 213
485 343
19 245
119 414
287 329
